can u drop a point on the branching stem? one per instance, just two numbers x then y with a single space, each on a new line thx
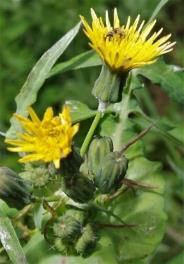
136 138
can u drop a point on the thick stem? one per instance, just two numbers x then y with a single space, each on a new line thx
90 133
123 115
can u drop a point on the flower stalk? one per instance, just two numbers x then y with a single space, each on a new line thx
90 133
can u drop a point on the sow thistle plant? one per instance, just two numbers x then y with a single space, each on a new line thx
104 195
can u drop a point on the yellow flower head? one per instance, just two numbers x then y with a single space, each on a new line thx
124 47
45 140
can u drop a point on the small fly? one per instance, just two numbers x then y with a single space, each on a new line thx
115 31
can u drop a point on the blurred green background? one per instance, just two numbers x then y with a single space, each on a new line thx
29 27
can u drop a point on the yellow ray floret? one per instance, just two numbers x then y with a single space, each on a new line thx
47 140
124 47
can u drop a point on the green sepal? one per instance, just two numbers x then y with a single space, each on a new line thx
66 249
13 189
111 172
86 244
98 149
38 175
107 86
69 226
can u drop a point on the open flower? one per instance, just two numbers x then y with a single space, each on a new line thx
124 47
45 140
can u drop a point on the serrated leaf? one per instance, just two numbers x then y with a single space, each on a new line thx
37 77
83 60
79 111
10 242
168 77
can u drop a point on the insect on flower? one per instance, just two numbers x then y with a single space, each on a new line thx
115 32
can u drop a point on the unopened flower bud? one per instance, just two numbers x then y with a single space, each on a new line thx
13 188
78 187
106 87
112 171
87 242
98 149
66 249
37 176
67 227
71 165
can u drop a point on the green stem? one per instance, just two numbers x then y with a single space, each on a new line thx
24 211
123 115
90 133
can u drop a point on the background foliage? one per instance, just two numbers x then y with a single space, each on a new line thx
29 27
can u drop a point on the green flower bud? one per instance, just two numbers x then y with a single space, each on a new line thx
98 149
107 86
64 248
13 189
38 176
60 246
78 187
67 227
112 171
87 242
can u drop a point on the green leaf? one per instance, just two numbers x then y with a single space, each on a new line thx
157 9
178 132
80 111
5 210
145 209
170 79
177 259
37 77
83 60
37 248
168 134
10 242
108 125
